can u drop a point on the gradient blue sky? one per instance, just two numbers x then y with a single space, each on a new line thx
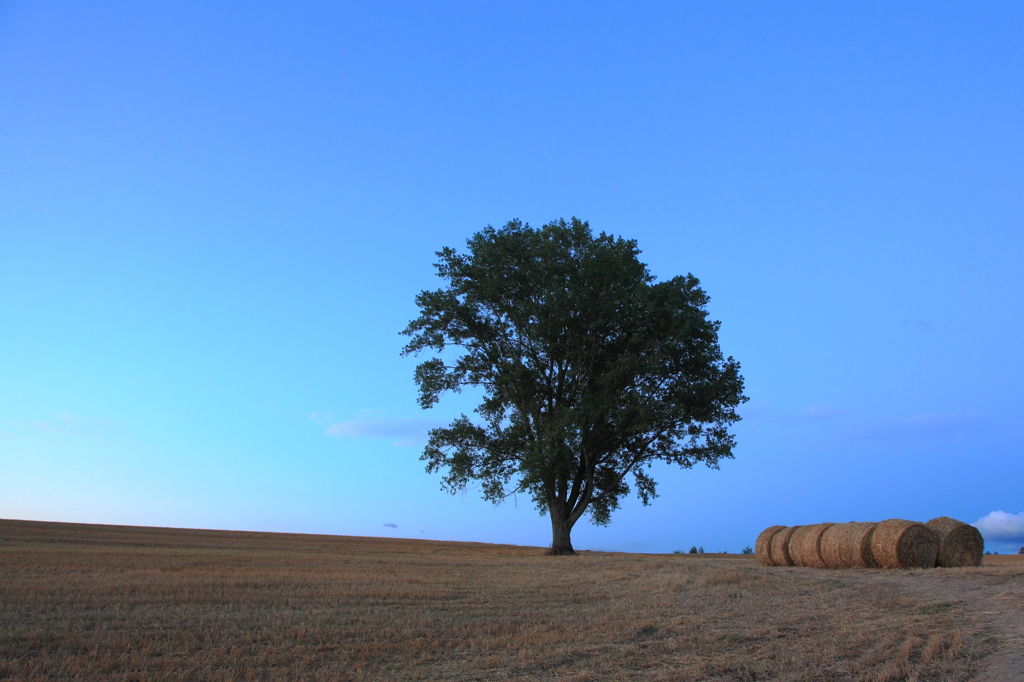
214 218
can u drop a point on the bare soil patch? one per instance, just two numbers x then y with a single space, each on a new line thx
118 603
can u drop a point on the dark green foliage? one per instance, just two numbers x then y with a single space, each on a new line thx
693 550
1021 551
591 370
748 550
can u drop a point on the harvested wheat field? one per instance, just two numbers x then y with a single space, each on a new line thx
116 603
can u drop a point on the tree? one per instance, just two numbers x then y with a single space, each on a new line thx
591 371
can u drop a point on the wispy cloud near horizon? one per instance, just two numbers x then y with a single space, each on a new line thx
918 426
401 430
815 413
73 425
849 425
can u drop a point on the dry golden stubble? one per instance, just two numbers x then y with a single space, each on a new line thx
898 543
762 547
960 545
848 545
114 605
805 545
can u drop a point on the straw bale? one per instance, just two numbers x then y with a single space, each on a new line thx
778 548
805 545
763 545
959 544
897 543
848 545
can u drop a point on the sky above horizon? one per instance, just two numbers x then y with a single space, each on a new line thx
214 218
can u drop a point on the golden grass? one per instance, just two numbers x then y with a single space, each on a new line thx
115 603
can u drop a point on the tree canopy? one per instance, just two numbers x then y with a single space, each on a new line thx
591 371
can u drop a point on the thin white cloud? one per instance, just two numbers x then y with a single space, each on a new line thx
322 418
1001 527
73 425
918 426
814 413
762 409
845 422
400 430
943 422
754 409
380 428
819 421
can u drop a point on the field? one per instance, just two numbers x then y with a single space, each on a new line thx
84 602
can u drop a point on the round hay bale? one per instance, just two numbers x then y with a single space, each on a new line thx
805 545
897 543
959 544
763 545
778 548
848 545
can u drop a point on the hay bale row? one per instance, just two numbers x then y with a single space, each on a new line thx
763 544
778 550
897 543
894 543
848 545
959 544
805 545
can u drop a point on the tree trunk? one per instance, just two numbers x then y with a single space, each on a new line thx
561 530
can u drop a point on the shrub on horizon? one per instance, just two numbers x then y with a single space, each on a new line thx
693 550
748 550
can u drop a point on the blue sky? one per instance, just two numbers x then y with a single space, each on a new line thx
214 218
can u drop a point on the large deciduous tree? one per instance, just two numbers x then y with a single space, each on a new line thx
591 371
